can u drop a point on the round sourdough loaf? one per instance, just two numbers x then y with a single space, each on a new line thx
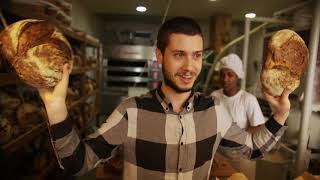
287 57
37 51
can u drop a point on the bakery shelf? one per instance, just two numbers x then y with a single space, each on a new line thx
74 35
44 173
52 165
28 136
9 78
87 123
24 138
82 99
128 69
83 70
90 52
34 12
135 79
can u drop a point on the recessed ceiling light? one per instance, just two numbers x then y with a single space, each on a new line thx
212 0
141 9
250 15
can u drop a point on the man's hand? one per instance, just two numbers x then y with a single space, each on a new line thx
55 99
280 105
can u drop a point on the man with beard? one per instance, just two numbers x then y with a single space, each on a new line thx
170 132
242 106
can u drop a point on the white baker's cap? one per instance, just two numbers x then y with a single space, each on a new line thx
233 62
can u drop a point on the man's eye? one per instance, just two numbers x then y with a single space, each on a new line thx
178 55
197 55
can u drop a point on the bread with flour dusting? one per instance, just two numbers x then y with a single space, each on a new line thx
286 60
37 51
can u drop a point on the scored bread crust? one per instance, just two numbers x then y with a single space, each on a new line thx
37 51
287 57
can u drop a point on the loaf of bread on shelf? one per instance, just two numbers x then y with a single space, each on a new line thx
8 101
6 130
286 60
29 115
77 61
37 51
73 94
76 117
89 85
89 111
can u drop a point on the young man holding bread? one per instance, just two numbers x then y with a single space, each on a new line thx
169 133
242 106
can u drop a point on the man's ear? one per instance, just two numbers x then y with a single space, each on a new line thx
159 56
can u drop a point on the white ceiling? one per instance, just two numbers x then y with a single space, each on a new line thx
192 8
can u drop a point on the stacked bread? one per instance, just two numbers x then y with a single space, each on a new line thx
287 57
37 51
29 115
59 9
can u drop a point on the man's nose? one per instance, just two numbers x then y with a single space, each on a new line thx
187 63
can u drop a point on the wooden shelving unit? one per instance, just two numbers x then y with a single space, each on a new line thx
82 99
87 123
83 70
43 174
36 12
77 39
24 138
8 78
53 164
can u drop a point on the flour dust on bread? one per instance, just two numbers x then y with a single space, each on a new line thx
37 51
286 60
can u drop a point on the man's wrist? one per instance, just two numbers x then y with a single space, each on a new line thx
57 114
281 117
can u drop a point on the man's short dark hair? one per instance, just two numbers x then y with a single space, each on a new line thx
181 25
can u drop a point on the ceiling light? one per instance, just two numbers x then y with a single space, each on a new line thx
141 9
212 0
250 15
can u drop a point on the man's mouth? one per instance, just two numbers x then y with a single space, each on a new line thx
186 77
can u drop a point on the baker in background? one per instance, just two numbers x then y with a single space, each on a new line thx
241 105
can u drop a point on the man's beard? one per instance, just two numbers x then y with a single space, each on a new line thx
169 82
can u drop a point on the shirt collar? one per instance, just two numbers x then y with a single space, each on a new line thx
166 104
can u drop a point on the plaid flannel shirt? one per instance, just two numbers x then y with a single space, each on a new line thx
159 143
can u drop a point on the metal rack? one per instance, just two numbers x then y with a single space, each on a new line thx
127 67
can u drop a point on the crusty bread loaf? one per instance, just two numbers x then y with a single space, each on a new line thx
287 57
37 51
29 115
8 101
6 130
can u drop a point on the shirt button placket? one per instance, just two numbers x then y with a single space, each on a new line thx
182 128
181 144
